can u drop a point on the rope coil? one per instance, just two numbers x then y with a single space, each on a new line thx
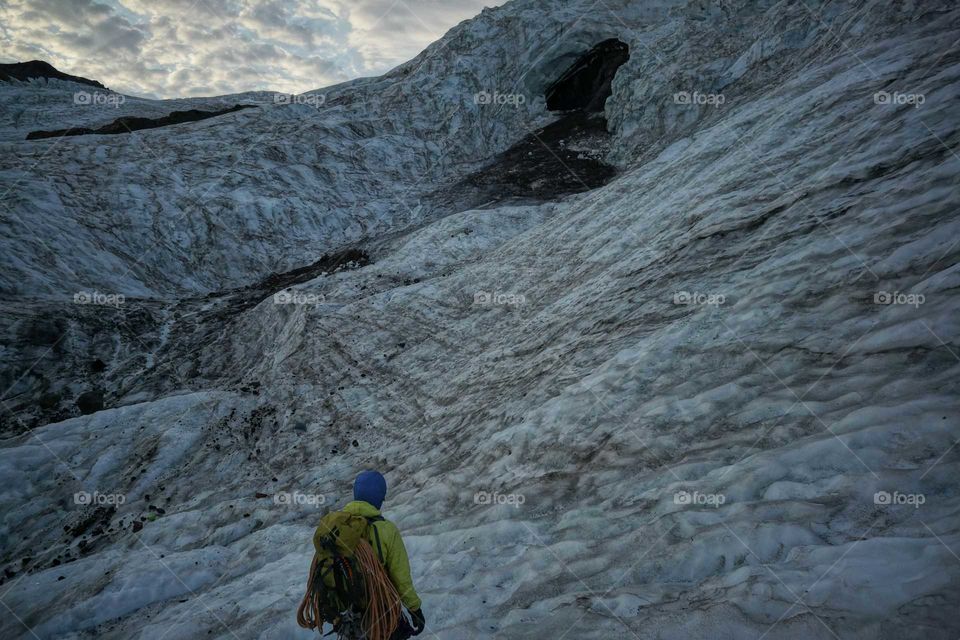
382 614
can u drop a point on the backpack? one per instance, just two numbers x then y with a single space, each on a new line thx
344 576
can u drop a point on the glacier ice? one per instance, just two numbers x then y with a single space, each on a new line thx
724 383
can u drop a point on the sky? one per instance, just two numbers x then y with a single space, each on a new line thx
185 48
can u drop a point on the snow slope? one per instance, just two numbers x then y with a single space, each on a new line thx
714 398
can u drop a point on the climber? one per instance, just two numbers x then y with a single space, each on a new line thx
358 541
369 491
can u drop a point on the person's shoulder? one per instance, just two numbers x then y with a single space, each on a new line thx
387 526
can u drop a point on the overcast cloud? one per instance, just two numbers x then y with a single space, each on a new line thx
181 48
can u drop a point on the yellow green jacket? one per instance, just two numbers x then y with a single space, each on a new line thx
391 551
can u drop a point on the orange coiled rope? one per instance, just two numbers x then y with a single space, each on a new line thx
308 613
382 614
383 602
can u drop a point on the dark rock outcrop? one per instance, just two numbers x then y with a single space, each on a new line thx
39 69
128 124
90 402
562 158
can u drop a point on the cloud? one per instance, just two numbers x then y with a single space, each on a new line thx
197 47
388 32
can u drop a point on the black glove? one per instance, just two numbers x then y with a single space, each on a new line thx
419 622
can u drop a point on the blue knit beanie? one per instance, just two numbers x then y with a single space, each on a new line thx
371 487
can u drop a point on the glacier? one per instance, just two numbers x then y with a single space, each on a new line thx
715 396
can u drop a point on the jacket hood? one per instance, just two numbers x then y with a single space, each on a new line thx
361 508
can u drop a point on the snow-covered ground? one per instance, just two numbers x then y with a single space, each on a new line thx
714 398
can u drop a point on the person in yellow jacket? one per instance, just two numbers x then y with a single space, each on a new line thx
369 491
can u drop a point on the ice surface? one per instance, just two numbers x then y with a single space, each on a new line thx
571 453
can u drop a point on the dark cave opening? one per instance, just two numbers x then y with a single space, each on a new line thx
585 85
566 156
